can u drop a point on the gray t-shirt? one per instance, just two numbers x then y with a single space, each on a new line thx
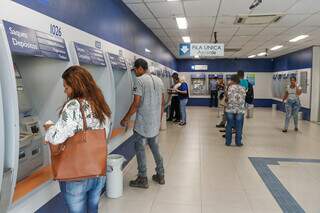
148 116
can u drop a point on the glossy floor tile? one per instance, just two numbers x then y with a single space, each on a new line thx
204 176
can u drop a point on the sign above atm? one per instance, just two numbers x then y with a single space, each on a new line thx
26 41
89 55
201 49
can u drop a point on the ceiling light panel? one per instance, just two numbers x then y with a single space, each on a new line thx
182 23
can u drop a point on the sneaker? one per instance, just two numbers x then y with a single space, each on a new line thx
240 144
169 119
284 130
182 123
222 130
159 179
296 129
140 182
176 121
220 126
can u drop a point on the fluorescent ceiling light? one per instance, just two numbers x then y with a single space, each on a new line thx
252 56
147 50
262 54
196 56
182 23
172 0
186 39
298 38
276 47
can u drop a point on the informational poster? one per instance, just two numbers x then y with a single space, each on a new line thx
89 55
251 77
117 62
304 82
26 41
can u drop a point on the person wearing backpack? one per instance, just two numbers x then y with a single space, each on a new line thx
249 93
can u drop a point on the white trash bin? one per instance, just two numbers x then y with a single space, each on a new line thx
274 107
300 115
250 110
114 176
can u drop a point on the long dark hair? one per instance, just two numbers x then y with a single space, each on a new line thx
84 87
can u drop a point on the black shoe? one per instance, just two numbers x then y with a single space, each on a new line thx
169 119
159 179
222 130
296 129
224 136
220 126
228 145
284 130
182 123
176 121
140 182
240 145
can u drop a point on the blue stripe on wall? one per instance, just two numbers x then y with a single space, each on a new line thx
110 20
228 65
297 60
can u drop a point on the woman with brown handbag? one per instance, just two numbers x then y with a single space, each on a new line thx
82 120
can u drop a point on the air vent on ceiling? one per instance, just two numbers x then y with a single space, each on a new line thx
257 19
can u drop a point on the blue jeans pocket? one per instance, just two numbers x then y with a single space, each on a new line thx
76 187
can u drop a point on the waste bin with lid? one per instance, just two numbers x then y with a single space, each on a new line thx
115 176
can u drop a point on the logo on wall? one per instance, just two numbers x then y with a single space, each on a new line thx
184 50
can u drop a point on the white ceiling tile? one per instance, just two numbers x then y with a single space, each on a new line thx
168 23
201 8
223 31
290 20
201 39
305 7
235 7
140 10
241 38
313 21
225 21
151 23
159 32
269 6
273 31
174 32
166 9
244 30
200 22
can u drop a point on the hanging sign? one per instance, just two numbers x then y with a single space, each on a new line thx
89 55
201 49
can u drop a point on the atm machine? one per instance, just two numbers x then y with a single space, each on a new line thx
32 63
198 84
278 86
284 83
211 77
123 90
94 61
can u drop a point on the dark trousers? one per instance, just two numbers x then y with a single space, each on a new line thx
175 108
214 98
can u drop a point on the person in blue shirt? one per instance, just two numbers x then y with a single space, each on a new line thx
243 82
183 93
213 92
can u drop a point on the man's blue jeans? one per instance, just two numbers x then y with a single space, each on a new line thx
83 196
234 120
140 141
183 109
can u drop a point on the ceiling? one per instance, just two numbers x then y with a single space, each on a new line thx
208 16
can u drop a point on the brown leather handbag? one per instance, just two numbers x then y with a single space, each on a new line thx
81 156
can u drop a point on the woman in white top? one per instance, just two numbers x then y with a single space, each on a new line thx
80 196
293 103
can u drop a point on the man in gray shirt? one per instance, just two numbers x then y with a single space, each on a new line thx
148 104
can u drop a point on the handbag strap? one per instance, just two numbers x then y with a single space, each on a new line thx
84 120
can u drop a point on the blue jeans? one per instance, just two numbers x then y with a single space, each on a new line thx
292 110
141 154
183 106
234 120
83 196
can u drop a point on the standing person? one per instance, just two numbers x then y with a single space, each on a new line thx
183 92
175 103
79 86
148 104
293 103
235 110
243 82
214 92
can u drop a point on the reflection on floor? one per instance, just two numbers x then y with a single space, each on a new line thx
204 176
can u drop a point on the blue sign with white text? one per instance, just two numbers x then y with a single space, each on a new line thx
117 62
184 49
26 41
89 55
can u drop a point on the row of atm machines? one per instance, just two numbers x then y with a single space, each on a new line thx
31 92
280 81
200 83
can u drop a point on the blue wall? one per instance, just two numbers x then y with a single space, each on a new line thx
228 65
297 60
110 20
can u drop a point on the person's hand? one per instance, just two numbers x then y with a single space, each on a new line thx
124 122
47 126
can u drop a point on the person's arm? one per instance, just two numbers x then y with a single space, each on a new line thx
285 96
298 91
162 107
66 126
182 91
132 110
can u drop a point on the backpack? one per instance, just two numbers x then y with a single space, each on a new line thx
250 94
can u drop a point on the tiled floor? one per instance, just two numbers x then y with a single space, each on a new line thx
204 176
